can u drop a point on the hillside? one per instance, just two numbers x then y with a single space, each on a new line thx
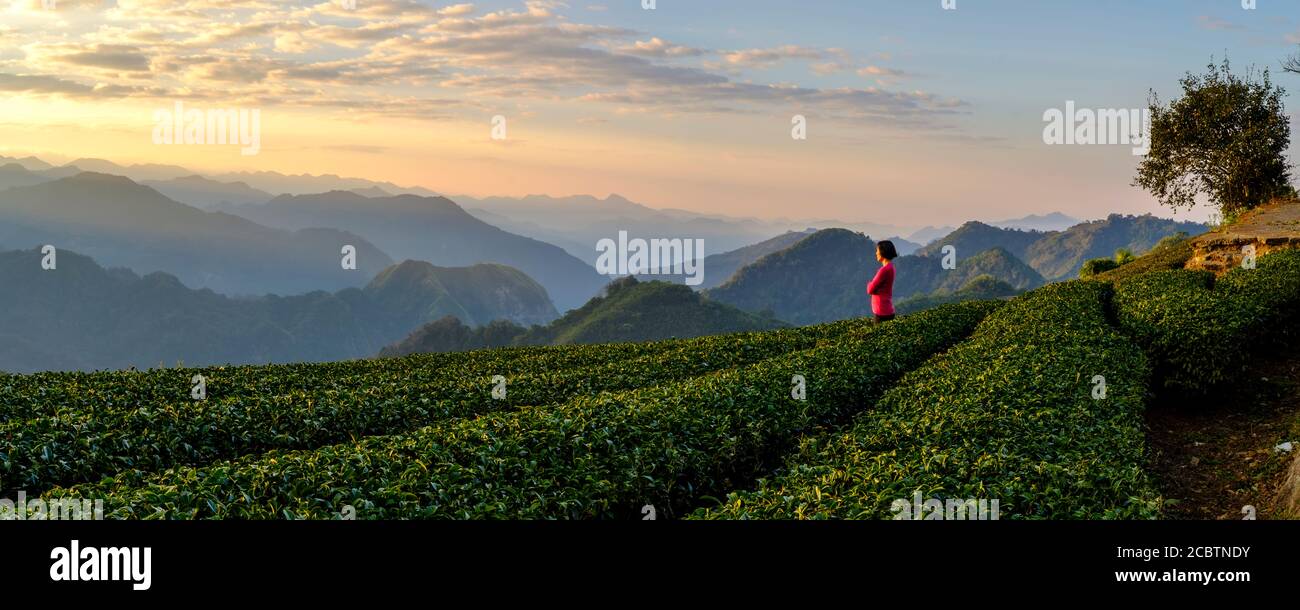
975 237
646 311
84 317
983 287
822 277
432 229
123 224
918 275
1059 255
628 311
476 295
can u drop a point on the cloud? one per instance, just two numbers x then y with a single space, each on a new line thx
118 58
1207 22
40 84
879 71
658 47
408 58
767 58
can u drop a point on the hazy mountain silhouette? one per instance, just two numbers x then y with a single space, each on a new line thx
13 174
975 237
124 224
928 234
203 193
138 173
718 268
306 184
1054 221
905 246
577 222
30 163
81 316
437 230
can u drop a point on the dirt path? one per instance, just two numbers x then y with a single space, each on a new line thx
1215 455
1268 228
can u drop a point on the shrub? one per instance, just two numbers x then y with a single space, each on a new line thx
1097 265
1200 334
1008 415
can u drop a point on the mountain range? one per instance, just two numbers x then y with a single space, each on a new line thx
432 229
823 277
577 222
81 316
718 268
123 224
1057 255
193 267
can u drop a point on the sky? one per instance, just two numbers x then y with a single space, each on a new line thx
915 114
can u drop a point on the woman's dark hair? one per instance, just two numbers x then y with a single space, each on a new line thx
887 250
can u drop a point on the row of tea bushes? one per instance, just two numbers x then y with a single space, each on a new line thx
607 455
1040 411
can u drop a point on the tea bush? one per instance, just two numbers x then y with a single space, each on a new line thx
1200 333
1009 415
604 455
255 409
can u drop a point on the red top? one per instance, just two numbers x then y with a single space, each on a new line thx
881 290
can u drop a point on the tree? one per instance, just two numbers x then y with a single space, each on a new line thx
1225 139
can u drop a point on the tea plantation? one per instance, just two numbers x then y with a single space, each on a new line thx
1036 402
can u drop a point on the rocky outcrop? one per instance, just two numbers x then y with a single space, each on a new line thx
1268 228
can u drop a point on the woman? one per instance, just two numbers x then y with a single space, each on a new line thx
881 288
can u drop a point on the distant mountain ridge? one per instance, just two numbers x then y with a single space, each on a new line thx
718 268
1058 255
577 222
823 277
204 193
121 223
81 316
1054 221
267 181
433 229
